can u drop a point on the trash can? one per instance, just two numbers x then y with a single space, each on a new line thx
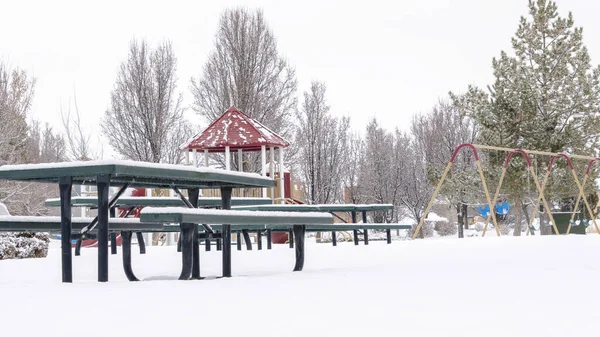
562 220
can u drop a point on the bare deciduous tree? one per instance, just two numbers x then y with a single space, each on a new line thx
16 96
415 190
245 70
23 143
78 140
322 142
379 173
438 133
145 108
354 160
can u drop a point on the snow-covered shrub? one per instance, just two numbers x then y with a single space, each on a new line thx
23 245
504 229
445 228
426 229
478 226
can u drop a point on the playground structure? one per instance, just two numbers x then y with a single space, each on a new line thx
232 132
540 187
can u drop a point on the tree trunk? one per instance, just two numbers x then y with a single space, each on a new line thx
460 217
527 218
519 216
544 229
422 231
465 216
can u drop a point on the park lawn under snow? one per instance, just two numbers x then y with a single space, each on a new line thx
507 286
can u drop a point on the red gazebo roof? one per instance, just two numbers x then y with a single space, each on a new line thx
236 130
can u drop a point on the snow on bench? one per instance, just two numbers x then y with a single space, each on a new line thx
13 223
233 217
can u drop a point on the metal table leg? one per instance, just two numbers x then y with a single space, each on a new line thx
126 245
65 185
299 232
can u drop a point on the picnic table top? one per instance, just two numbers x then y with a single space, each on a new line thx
137 174
318 208
158 201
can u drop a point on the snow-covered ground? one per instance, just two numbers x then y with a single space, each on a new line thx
507 286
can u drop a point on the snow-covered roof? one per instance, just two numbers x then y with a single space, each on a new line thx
236 130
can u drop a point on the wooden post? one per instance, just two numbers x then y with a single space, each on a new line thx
433 196
227 158
487 219
272 169
195 157
263 162
206 158
281 176
587 205
240 160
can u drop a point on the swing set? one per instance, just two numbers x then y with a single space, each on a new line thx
540 187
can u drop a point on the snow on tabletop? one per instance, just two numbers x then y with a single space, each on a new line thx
56 219
87 198
202 211
130 163
371 205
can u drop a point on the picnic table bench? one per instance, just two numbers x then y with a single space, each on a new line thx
185 217
332 209
124 174
134 202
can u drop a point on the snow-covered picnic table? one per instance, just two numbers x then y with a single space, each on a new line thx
124 174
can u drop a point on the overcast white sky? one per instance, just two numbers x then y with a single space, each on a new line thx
387 59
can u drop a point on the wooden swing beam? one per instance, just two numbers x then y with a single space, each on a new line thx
541 197
573 173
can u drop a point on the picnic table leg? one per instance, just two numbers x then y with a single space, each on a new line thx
388 234
193 198
65 185
269 239
207 245
219 244
103 183
247 239
78 245
355 232
141 242
365 231
187 250
226 236
299 232
113 236
179 241
238 241
113 243
126 237
259 239
333 238
291 238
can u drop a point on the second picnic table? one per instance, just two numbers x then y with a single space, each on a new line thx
124 174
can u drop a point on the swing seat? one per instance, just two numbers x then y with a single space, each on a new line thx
484 211
502 208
